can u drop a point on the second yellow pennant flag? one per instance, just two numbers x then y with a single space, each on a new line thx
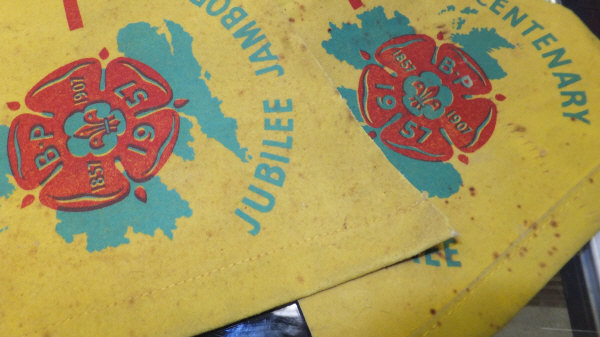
491 108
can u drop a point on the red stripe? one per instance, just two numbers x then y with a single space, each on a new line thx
73 14
356 4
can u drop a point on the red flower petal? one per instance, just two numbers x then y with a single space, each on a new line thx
85 184
407 55
379 95
36 149
471 123
147 145
418 138
66 89
460 72
135 87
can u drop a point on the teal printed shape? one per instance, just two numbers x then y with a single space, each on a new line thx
349 40
175 61
426 95
95 130
480 43
6 188
106 227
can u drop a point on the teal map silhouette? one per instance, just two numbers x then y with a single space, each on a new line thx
347 41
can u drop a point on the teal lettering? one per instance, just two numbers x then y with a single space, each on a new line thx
249 34
198 3
45 159
269 198
498 3
275 67
534 26
263 54
575 97
447 65
278 126
557 55
236 14
274 175
566 79
481 3
430 261
212 12
275 157
514 15
286 145
449 252
546 40
255 224
276 107
466 81
39 133
579 116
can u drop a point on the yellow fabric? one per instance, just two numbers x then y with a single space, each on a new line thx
528 199
332 211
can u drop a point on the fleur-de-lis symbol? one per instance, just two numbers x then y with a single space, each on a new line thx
96 127
94 130
425 96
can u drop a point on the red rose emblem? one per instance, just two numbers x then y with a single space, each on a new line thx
422 99
91 127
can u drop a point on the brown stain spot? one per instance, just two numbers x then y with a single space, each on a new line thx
472 218
33 251
509 270
302 8
292 20
468 289
329 30
542 265
550 253
522 251
472 191
300 279
519 128
455 291
131 301
345 225
554 248
446 202
209 234
519 206
432 311
557 235
47 334
553 223
439 323
534 225
591 180
496 255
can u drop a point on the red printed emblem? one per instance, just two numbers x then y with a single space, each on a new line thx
91 127
423 99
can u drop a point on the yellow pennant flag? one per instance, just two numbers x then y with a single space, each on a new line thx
488 106
169 167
